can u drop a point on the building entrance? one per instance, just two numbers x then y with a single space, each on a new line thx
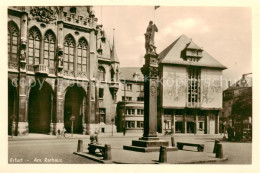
178 127
74 107
40 105
190 127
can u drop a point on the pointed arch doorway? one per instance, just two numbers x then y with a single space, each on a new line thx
40 108
74 105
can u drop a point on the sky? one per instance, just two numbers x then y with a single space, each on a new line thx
224 32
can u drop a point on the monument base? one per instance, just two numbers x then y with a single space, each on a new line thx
149 144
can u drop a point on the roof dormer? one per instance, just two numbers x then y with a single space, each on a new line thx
192 52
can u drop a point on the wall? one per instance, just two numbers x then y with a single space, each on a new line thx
174 86
211 88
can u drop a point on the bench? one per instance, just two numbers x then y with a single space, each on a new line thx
105 150
200 147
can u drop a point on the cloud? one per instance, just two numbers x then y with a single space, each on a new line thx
139 38
185 25
205 29
188 23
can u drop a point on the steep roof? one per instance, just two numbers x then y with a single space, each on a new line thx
172 54
114 56
131 74
192 45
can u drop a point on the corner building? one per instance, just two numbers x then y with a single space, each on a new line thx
61 68
190 89
130 105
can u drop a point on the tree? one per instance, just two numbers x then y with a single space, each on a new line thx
242 106
241 110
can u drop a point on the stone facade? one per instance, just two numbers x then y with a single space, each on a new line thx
61 67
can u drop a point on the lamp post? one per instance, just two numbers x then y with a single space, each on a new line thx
224 130
72 118
112 120
124 125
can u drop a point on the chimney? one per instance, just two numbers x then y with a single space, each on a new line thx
229 83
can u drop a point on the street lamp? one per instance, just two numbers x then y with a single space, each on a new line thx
224 130
124 125
72 118
112 120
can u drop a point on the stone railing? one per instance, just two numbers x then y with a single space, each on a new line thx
12 65
51 71
41 69
82 74
68 73
113 84
30 68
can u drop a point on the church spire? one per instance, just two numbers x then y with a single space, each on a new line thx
113 53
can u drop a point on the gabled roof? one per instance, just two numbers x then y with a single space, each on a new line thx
172 55
131 74
192 45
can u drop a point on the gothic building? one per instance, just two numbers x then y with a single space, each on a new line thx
61 70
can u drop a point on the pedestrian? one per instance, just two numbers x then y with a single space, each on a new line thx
229 131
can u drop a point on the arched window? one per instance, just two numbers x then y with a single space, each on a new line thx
101 73
69 49
112 74
34 46
49 47
117 73
82 55
13 33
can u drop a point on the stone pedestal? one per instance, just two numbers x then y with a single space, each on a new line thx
150 142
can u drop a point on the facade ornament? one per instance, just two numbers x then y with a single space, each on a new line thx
153 72
60 57
44 14
149 38
23 53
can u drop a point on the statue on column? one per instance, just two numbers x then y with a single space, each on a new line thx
149 38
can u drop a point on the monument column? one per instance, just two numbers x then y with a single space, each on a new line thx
150 72
149 141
